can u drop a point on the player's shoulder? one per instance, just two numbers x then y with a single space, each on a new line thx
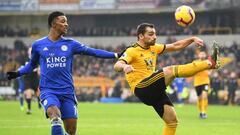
40 41
157 45
132 47
68 39
72 41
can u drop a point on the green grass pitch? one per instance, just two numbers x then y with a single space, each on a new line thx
122 119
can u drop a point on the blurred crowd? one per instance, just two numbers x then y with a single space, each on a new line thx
11 59
17 31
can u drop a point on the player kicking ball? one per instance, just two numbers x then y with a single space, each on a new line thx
148 83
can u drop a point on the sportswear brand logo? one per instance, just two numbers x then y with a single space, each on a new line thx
45 49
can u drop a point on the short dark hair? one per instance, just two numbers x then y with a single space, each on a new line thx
141 28
52 16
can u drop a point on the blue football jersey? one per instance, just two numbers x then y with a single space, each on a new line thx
56 59
179 83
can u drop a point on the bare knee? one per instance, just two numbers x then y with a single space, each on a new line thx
53 112
168 74
169 115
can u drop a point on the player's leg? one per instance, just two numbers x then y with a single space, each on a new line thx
170 119
69 114
51 105
28 97
56 122
190 69
21 99
151 91
70 126
38 98
202 93
167 112
179 98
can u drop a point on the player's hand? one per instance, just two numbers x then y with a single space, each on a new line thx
12 75
199 42
128 68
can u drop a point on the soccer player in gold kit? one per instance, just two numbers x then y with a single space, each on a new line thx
201 83
149 84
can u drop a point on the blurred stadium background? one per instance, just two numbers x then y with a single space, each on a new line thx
111 25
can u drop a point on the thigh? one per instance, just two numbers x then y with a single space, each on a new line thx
152 90
201 88
68 107
50 100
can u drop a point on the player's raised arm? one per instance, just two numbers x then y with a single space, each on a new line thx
181 44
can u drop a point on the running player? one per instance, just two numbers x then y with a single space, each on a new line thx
201 84
54 53
178 85
148 83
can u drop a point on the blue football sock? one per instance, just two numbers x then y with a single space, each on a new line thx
57 126
21 99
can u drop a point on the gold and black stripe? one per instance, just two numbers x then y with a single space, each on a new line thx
150 80
175 68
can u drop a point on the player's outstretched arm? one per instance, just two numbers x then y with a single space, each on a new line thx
181 44
102 53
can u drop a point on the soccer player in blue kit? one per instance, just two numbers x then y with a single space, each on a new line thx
54 53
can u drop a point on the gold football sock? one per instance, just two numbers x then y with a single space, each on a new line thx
199 105
170 129
190 69
205 105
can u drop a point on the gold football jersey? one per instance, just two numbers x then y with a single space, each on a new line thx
143 61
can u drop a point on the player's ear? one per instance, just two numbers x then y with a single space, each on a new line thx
141 36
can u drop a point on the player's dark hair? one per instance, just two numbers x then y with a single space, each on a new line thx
141 28
52 16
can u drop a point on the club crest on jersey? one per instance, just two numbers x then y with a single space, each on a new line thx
64 48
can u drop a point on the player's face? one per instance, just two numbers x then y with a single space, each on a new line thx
149 36
202 55
61 24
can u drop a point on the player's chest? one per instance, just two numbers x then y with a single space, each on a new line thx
55 50
146 57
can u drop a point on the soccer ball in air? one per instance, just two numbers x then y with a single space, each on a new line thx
184 16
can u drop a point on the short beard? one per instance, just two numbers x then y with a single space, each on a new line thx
150 43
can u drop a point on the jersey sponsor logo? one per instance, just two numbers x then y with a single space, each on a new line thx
64 48
58 61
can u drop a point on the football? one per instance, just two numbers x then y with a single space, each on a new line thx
184 16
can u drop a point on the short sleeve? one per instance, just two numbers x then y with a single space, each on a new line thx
126 57
160 48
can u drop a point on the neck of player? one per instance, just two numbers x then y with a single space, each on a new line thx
143 45
54 35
